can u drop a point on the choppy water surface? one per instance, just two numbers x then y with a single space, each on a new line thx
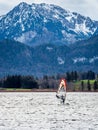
42 111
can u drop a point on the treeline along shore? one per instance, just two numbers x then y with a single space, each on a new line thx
76 82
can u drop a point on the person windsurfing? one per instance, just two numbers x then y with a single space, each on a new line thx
61 92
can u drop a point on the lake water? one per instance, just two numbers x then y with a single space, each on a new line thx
42 111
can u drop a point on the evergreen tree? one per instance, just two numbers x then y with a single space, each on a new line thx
95 85
72 76
68 76
75 76
12 82
29 82
90 75
88 85
82 85
45 77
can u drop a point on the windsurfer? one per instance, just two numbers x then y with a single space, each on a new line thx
62 90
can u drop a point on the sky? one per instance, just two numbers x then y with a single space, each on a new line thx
84 7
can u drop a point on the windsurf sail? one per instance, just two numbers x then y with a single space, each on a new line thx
61 92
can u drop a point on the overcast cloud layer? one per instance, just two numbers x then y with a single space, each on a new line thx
84 7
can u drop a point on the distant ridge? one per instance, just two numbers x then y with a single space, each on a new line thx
47 59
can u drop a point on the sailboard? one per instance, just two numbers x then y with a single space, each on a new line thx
61 92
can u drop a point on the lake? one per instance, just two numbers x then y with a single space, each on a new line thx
43 111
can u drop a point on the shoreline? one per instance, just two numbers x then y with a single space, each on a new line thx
37 90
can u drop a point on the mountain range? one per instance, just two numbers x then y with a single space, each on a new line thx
43 23
42 39
18 58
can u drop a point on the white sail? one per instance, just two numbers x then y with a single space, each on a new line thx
61 93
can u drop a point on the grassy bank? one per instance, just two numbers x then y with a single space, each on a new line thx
77 86
27 90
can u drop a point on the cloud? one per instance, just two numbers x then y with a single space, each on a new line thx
84 7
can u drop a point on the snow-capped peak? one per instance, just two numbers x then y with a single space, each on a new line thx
49 22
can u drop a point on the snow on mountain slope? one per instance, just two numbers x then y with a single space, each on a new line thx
85 60
44 23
